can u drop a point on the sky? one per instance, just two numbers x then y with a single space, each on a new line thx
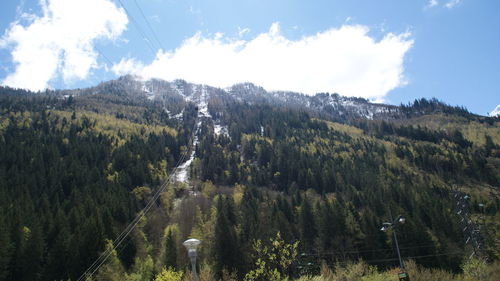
391 51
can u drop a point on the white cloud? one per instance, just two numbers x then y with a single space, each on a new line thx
432 3
126 66
452 3
496 111
344 60
59 43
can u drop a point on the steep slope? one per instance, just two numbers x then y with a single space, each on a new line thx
77 165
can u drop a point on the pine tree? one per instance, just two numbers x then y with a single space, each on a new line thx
226 249
170 250
5 249
307 225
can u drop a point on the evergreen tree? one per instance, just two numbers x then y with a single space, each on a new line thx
5 249
307 226
226 249
170 250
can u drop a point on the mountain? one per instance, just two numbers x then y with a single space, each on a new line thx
331 106
233 166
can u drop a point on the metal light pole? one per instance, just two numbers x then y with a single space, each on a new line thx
191 245
403 276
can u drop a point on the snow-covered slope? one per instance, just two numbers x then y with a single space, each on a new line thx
175 95
495 112
331 106
198 94
328 105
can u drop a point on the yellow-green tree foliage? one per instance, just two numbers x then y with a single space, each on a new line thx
169 275
272 260
142 269
476 269
112 270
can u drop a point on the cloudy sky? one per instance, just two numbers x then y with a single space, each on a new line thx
389 51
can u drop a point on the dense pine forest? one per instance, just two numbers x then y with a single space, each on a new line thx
280 192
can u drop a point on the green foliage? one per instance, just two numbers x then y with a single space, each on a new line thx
307 225
5 250
114 127
170 249
112 269
476 269
473 270
74 172
65 181
272 260
142 270
226 249
169 275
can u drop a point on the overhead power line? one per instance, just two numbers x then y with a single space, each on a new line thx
417 257
139 29
103 55
149 25
94 267
119 240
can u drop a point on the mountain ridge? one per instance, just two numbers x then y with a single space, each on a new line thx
331 106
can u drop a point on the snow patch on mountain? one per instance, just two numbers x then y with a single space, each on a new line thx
199 96
150 95
495 112
203 103
332 106
179 116
176 87
219 129
181 174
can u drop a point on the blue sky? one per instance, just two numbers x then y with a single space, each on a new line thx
389 50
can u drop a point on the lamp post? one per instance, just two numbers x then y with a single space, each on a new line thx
191 245
403 276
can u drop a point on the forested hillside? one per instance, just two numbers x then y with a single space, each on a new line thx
77 166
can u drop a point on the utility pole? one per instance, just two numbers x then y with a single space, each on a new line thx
403 275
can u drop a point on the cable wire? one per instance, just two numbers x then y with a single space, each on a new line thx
376 250
98 263
417 257
103 55
139 29
149 25
123 235
133 224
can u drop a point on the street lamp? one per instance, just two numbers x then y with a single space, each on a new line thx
403 276
191 245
